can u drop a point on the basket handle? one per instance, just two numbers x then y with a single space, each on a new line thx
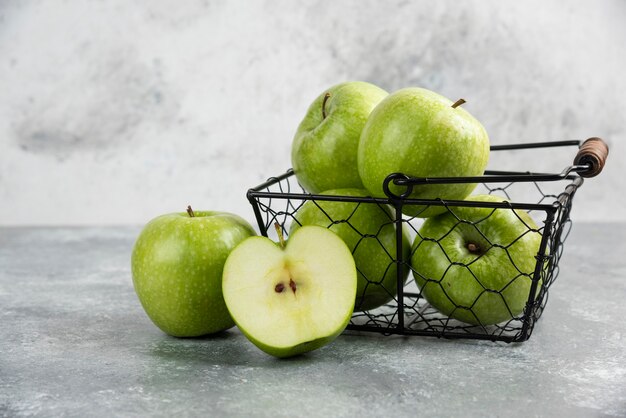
593 152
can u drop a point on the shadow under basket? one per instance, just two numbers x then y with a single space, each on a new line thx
544 197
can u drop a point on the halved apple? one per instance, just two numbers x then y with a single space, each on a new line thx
293 298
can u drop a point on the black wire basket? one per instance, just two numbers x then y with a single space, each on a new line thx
416 302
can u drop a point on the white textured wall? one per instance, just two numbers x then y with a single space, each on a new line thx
115 111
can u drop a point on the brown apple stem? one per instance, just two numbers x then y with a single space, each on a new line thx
279 231
473 248
190 212
292 285
458 103
326 97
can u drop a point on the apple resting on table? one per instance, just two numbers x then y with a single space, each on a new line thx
420 133
476 264
370 233
177 265
291 299
324 149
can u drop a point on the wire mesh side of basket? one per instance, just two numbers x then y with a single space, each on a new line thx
407 311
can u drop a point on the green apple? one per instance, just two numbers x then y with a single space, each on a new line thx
475 264
324 149
294 298
177 264
369 232
419 133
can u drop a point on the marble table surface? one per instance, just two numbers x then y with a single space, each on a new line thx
75 342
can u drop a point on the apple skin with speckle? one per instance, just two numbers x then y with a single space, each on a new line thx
420 133
324 148
177 264
476 264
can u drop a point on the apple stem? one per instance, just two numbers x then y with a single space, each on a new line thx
326 97
473 248
190 212
279 231
458 103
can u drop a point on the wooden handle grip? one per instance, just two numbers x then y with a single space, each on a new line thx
592 152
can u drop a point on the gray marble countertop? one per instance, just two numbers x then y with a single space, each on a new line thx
74 341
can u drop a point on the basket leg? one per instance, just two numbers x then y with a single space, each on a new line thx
528 311
257 213
401 265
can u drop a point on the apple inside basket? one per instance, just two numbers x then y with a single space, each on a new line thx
480 268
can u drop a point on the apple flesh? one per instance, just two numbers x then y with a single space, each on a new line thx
295 299
420 133
476 264
324 149
177 265
370 233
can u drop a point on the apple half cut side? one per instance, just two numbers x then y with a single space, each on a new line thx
295 299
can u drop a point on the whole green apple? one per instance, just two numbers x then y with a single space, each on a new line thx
475 264
369 232
324 149
177 265
420 133
291 298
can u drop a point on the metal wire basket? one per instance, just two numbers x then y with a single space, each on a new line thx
545 198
